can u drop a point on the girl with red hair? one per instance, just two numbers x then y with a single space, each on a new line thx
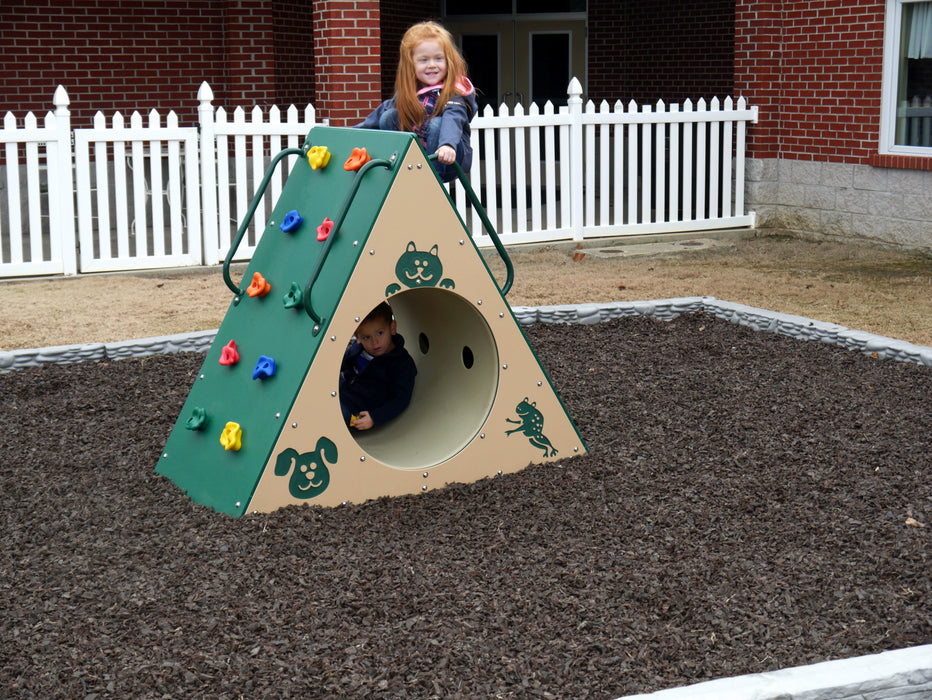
433 98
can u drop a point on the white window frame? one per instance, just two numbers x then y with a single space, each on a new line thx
893 26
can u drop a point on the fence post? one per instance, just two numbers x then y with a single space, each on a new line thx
574 102
209 213
61 185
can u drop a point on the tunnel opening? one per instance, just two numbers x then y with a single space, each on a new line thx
457 380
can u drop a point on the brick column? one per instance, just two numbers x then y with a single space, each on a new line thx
758 57
347 60
250 52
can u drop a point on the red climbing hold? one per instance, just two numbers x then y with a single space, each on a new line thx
324 229
229 355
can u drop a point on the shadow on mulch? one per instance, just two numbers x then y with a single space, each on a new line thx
750 502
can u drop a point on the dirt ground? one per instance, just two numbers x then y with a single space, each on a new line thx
858 286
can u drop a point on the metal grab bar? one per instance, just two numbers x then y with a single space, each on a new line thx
257 197
321 259
503 254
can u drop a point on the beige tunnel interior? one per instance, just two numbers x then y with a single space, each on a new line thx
457 380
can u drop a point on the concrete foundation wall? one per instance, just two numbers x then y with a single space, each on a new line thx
842 201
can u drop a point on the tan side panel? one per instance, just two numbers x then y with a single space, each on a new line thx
418 212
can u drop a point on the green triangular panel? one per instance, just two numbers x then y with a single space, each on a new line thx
195 459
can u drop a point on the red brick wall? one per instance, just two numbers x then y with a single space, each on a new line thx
813 67
154 54
294 53
109 56
648 50
250 56
347 59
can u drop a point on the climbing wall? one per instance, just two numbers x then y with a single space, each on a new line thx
262 427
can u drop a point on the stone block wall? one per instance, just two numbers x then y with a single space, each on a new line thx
849 201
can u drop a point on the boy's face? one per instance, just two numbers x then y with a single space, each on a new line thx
376 336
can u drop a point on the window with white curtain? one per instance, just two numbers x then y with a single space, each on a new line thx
906 120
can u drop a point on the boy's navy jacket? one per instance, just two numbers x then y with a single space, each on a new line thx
383 387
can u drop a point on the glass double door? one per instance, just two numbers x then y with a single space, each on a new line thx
519 61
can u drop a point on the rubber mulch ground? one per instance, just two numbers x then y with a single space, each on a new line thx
750 502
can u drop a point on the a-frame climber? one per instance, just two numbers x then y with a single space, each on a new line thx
262 426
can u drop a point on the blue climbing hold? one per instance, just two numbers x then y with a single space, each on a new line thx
291 222
265 368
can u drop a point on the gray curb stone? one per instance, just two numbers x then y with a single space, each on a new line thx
901 674
662 309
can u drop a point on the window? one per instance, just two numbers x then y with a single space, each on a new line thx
906 119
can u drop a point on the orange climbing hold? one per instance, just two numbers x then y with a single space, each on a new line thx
259 287
229 355
324 229
357 159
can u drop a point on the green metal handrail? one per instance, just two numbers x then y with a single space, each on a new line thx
260 193
497 242
321 259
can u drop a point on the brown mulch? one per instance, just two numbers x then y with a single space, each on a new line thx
750 502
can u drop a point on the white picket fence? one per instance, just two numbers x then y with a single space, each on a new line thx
152 195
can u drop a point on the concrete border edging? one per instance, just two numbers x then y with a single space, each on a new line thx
663 309
904 674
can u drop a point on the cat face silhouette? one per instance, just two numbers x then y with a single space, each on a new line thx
417 268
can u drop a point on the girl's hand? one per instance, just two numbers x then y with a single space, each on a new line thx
446 155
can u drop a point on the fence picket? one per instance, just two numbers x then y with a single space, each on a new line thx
618 174
33 190
688 173
504 161
701 162
660 150
520 175
589 163
535 167
13 193
632 158
647 174
258 170
121 192
550 160
101 185
674 160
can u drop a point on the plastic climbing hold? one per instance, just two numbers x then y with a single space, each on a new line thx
198 419
232 437
294 297
259 287
324 229
265 368
229 355
318 157
357 159
291 222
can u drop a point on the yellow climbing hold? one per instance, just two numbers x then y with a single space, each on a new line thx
318 157
232 437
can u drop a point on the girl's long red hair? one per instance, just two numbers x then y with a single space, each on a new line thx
410 110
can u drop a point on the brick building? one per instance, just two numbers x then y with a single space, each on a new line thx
831 155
